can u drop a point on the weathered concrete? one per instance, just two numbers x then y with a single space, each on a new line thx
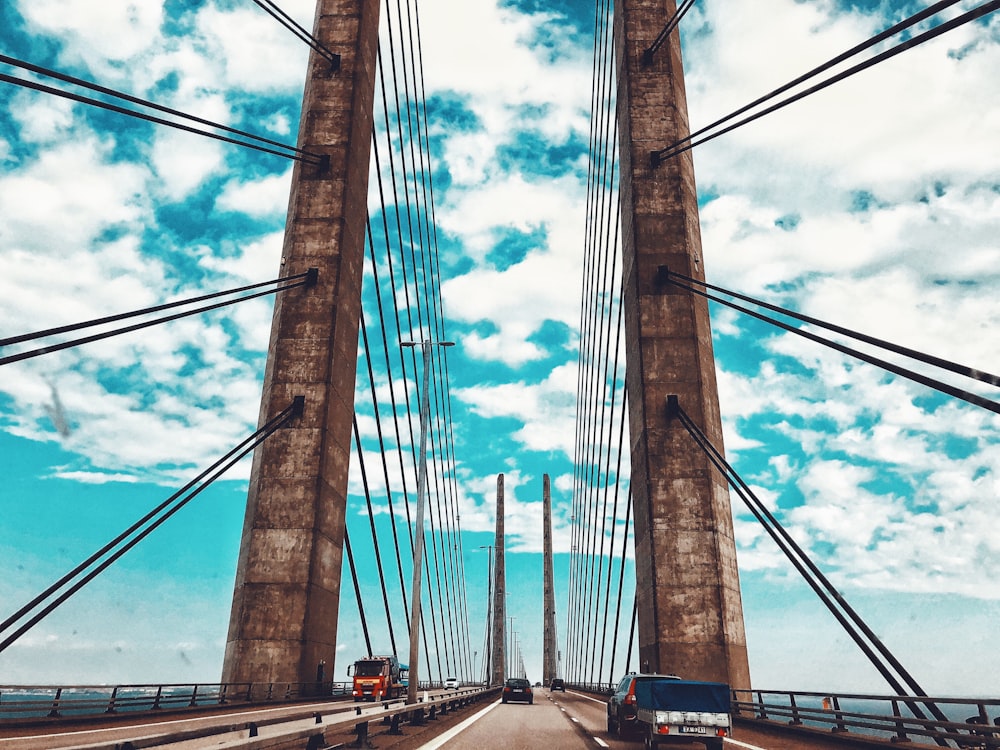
498 658
286 600
687 585
549 645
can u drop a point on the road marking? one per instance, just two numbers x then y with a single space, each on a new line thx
743 744
595 700
573 718
458 728
601 742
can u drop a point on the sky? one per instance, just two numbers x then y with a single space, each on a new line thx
874 204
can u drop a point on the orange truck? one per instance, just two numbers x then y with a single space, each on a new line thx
378 678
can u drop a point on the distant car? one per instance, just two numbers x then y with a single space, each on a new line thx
621 706
557 684
451 683
517 689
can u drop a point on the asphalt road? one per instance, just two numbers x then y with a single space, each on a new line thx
555 720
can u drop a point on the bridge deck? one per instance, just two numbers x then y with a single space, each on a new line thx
554 720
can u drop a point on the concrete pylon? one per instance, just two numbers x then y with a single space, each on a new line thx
549 646
499 656
687 584
287 595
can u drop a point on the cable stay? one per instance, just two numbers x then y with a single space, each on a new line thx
933 383
849 619
375 544
142 528
679 13
969 372
357 591
289 23
246 139
676 148
410 254
306 279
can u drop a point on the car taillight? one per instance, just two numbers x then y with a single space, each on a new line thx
527 690
506 689
629 699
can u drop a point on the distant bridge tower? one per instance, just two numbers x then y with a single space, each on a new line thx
687 585
499 625
287 596
549 595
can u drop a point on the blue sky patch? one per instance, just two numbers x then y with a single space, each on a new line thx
513 245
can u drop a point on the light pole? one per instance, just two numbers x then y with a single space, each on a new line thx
418 543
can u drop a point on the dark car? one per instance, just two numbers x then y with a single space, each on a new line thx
517 689
557 684
621 706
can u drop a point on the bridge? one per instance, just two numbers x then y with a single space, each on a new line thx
387 261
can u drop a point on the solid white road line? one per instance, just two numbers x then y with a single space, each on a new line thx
455 730
743 744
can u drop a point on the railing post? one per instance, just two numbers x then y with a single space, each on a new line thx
222 693
156 700
361 730
900 735
111 703
55 704
761 711
194 697
795 720
841 727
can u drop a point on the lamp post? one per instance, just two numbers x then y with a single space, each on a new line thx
418 543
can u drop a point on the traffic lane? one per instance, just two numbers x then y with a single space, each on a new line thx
592 716
515 726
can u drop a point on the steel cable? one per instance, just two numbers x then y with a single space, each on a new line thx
659 156
155 518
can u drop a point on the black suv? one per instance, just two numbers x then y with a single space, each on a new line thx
517 689
557 684
621 706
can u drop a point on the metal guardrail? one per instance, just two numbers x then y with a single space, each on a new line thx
972 723
54 702
37 702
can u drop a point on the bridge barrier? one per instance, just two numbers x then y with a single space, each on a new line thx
287 731
969 722
30 703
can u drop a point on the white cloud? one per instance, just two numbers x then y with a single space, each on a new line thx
267 196
100 34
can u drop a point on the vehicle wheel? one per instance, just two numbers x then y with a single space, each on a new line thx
612 727
714 744
531 702
647 740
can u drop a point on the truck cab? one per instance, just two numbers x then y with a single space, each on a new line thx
378 678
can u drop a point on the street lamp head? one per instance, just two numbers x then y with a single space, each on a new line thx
427 341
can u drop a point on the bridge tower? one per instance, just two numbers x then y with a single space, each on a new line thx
549 646
498 658
687 585
283 623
